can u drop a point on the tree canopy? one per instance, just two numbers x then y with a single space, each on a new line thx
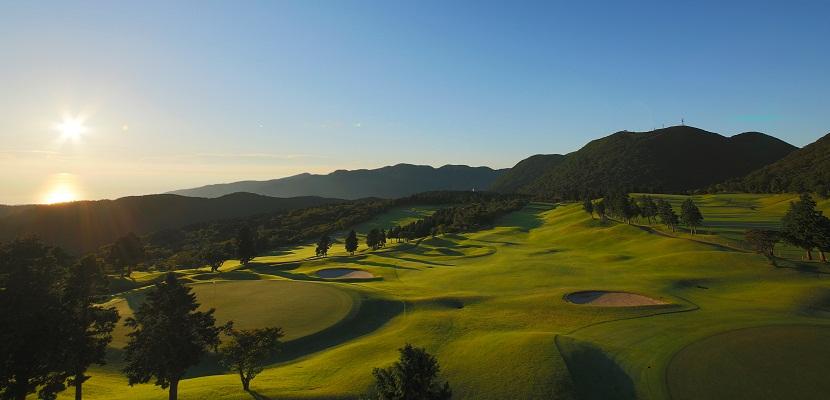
413 377
168 336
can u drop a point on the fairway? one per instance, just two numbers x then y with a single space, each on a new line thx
493 307
764 363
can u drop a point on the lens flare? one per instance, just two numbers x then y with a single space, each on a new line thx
61 188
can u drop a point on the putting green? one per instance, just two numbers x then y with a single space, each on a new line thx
299 308
769 362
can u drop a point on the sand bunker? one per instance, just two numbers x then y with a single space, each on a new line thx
344 273
611 299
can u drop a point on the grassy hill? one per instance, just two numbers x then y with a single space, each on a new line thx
671 160
491 305
388 182
806 169
84 226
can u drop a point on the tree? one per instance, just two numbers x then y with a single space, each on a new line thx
600 209
588 206
323 246
648 209
763 241
413 377
381 238
126 253
248 351
802 223
822 237
31 311
215 254
88 328
351 242
168 336
373 239
667 214
690 215
245 245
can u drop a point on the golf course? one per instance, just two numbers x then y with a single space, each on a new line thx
547 303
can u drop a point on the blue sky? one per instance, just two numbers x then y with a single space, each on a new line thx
188 93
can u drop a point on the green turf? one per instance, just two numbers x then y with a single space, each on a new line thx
754 363
490 306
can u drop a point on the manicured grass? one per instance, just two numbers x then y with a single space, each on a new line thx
767 362
489 305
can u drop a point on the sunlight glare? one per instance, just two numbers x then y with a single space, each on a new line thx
71 128
61 188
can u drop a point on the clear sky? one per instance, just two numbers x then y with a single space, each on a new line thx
180 94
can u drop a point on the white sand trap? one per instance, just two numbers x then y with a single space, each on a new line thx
344 273
611 299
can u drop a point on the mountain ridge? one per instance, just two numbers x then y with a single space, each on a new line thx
392 181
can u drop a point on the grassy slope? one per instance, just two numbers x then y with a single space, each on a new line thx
489 305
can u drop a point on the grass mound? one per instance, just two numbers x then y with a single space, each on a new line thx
611 299
300 308
769 362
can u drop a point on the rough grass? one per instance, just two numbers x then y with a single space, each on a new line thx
490 306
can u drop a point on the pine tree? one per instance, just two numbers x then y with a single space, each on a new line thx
323 246
168 336
245 245
588 206
413 376
351 242
802 223
88 330
690 215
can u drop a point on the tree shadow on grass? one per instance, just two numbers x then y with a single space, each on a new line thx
595 375
371 315
414 260
258 396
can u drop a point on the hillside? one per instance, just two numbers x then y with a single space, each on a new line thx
526 171
671 160
806 169
388 182
85 225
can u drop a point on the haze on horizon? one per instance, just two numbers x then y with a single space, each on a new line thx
102 100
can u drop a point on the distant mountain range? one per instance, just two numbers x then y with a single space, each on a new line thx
84 226
388 182
806 169
671 160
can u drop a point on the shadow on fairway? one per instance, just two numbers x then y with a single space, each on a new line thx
594 374
371 315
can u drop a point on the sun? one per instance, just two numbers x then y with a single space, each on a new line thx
71 128
60 194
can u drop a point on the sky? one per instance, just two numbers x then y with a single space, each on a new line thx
167 95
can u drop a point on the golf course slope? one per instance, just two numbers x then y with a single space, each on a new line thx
492 306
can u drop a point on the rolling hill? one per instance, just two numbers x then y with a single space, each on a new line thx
806 169
526 171
671 160
388 182
86 225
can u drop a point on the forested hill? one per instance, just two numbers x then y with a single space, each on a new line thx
806 169
526 171
84 226
670 160
388 182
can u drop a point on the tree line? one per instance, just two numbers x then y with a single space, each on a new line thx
622 206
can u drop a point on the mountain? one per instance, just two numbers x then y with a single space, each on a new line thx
84 226
670 160
525 172
387 182
806 169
